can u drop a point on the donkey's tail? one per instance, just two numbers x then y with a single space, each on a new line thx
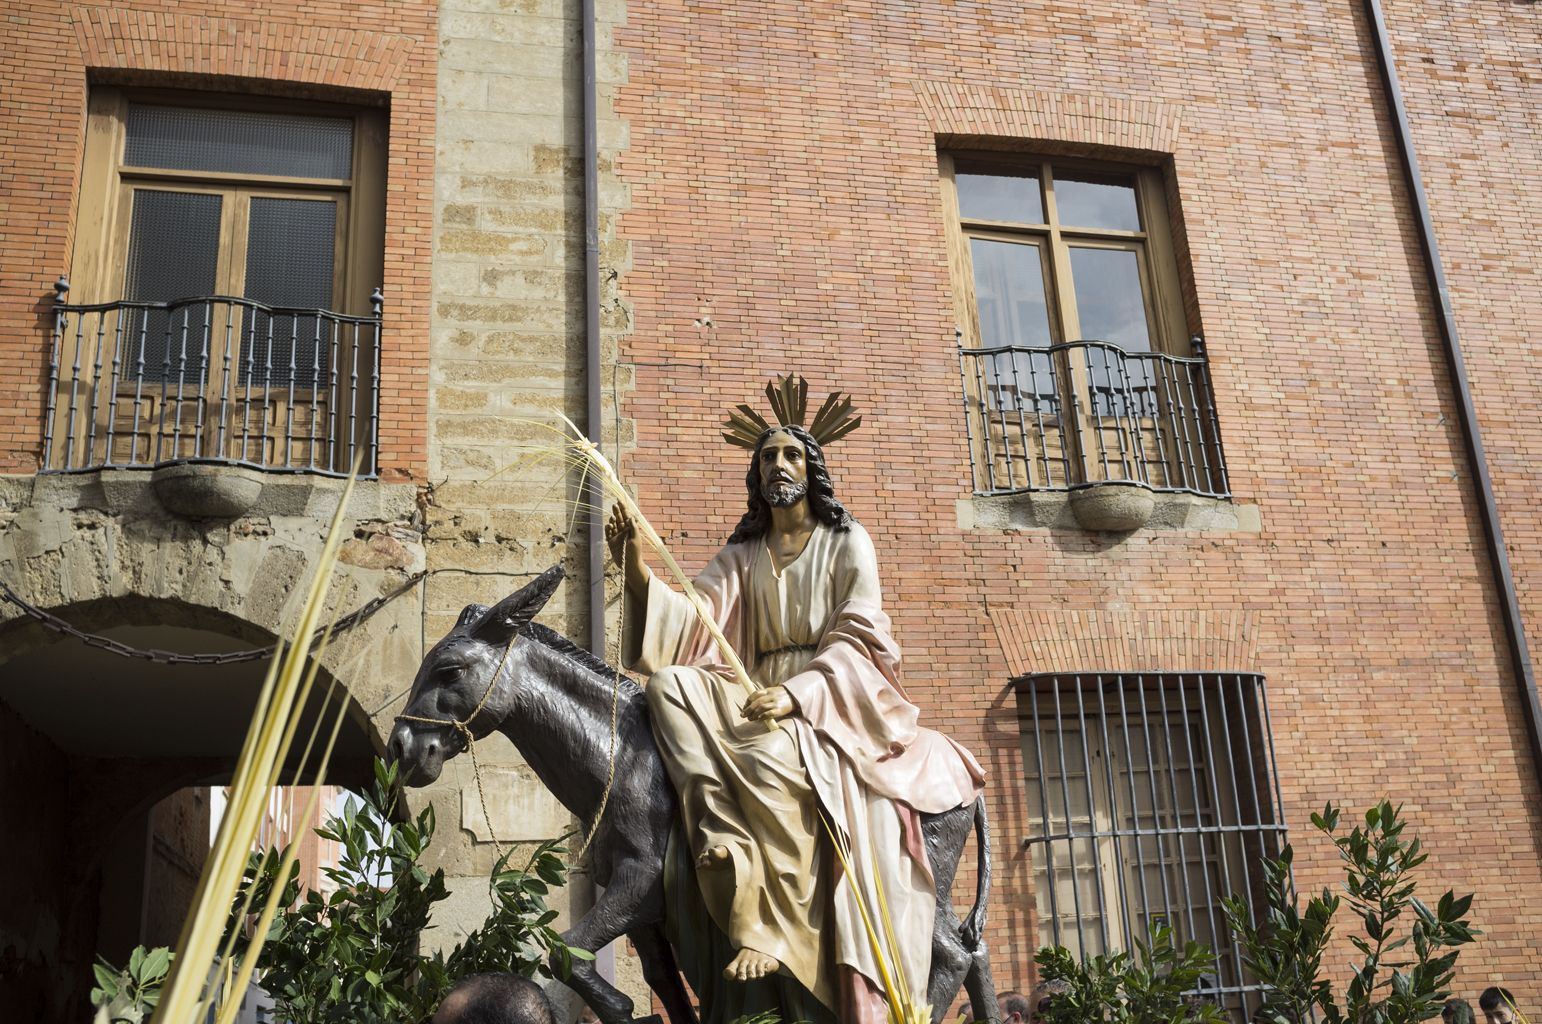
974 924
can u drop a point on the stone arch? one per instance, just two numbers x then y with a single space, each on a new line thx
110 556
102 704
84 747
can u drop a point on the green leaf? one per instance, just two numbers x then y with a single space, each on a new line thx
157 963
106 976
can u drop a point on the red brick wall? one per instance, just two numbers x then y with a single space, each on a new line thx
315 47
783 183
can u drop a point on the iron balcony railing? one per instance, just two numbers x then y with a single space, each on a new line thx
215 379
1088 412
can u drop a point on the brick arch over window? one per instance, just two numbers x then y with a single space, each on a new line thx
1080 119
1162 640
188 43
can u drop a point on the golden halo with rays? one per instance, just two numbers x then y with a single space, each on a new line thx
789 403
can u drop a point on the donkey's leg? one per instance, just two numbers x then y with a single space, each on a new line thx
982 987
950 963
634 895
945 835
662 973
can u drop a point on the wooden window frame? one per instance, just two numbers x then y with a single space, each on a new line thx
1162 290
1104 417
103 214
98 272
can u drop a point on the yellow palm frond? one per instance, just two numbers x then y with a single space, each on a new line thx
279 704
904 1006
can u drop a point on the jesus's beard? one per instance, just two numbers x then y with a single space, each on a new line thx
784 495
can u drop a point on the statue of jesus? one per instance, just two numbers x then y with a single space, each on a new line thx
796 592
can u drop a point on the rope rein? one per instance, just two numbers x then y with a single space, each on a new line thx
463 726
610 777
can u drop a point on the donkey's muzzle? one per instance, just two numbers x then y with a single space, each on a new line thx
420 758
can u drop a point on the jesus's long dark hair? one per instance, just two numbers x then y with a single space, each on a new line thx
821 491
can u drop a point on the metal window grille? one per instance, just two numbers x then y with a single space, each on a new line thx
215 379
1151 797
1087 412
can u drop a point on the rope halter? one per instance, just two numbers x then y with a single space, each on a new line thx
463 726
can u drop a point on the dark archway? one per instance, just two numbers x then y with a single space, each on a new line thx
101 758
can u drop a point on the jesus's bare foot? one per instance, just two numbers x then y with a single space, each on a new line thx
749 965
713 857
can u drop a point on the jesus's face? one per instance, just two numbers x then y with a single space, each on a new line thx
783 466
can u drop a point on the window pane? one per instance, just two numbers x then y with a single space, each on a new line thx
986 193
289 252
174 240
1085 200
1009 293
290 262
239 142
1109 302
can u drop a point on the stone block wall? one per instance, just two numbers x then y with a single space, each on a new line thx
508 320
507 356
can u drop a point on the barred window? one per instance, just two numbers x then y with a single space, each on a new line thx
1151 797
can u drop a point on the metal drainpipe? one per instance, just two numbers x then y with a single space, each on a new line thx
605 959
1471 436
592 421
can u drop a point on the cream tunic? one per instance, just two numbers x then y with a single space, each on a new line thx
852 749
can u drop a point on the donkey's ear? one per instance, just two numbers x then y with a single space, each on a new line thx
500 622
470 614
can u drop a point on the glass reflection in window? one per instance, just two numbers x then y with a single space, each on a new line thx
986 193
1086 200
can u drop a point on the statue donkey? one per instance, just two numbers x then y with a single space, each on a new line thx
555 701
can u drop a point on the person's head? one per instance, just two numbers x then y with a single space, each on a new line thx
495 999
781 464
1014 1006
1457 1011
788 465
1498 1005
1042 995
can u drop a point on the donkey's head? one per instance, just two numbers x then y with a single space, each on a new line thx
456 688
